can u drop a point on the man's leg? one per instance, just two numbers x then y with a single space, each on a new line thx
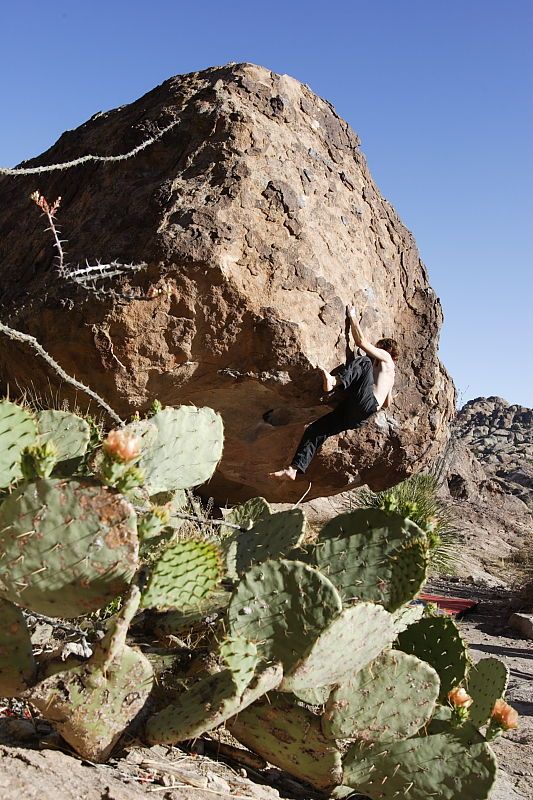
352 371
347 416
344 375
314 436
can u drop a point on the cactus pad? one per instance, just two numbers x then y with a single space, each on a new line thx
69 547
17 431
183 576
246 515
185 449
91 709
240 657
438 641
208 704
363 553
177 623
487 682
289 737
349 643
407 615
270 538
70 435
313 697
175 503
282 606
447 766
409 565
391 698
17 665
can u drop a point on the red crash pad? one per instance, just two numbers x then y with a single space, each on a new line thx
450 605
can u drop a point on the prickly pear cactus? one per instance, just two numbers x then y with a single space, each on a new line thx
447 766
18 430
487 682
215 698
241 658
183 576
181 447
270 538
282 606
393 697
438 641
17 665
246 515
91 708
409 567
373 555
290 737
70 435
93 703
351 641
69 547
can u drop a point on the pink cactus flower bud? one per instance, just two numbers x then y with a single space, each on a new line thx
459 698
505 715
123 445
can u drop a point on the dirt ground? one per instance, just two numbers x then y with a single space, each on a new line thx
36 765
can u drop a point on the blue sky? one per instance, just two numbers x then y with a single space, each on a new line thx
438 90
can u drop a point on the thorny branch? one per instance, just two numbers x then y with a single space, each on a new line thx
18 336
81 274
84 159
197 518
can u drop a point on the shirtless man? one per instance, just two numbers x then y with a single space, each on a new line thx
367 381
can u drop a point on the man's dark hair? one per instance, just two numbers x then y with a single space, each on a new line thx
390 346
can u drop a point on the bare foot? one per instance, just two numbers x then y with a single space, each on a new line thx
289 473
328 381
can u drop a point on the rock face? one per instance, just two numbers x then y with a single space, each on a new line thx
500 436
259 222
490 483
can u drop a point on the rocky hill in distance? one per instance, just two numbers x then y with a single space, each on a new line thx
500 436
489 480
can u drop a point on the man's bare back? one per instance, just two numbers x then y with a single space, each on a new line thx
384 375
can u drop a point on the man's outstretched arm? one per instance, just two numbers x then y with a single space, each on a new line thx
362 342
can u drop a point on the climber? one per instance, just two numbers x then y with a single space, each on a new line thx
367 381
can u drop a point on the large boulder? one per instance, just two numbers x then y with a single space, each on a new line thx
258 222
